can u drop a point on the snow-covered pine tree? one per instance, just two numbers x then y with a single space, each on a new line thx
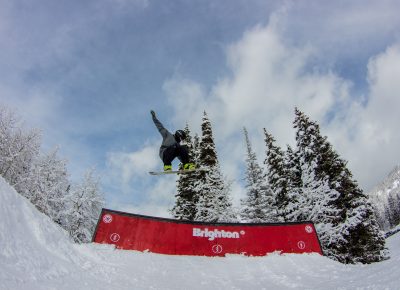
47 186
364 241
256 207
84 203
304 159
276 177
294 184
186 197
214 202
358 236
316 198
196 147
307 133
292 168
18 149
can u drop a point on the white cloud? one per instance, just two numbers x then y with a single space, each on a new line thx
188 98
269 78
366 134
271 68
343 30
374 148
133 165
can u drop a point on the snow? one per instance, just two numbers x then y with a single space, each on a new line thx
37 254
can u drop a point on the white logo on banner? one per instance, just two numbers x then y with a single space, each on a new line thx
107 218
309 229
217 249
214 234
115 237
301 245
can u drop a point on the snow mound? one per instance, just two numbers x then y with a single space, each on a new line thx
37 254
32 247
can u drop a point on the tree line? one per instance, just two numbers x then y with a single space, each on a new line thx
310 182
43 179
307 183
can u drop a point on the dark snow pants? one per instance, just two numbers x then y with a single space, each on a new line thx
180 151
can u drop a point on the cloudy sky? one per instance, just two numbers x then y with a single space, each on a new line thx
88 73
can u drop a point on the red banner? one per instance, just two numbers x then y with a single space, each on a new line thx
173 237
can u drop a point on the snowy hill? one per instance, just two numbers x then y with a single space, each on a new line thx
37 254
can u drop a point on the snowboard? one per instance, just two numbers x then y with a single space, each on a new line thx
177 171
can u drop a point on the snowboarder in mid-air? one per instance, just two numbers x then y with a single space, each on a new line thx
171 147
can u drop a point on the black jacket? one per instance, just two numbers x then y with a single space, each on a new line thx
168 137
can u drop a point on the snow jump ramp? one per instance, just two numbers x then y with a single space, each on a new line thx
175 237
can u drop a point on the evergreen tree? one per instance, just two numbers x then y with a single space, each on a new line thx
365 241
294 185
355 225
256 207
214 203
186 197
315 199
292 168
196 148
304 171
276 176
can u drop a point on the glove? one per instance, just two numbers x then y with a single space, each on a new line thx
153 113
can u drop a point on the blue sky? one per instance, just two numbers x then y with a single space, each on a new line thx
88 73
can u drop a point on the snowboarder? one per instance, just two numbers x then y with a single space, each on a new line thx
171 147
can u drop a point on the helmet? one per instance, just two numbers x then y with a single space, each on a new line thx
180 135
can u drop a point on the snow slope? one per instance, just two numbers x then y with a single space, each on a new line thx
37 254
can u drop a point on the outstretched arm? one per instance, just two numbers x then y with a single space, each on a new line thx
158 124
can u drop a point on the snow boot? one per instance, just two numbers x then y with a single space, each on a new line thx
167 167
189 166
